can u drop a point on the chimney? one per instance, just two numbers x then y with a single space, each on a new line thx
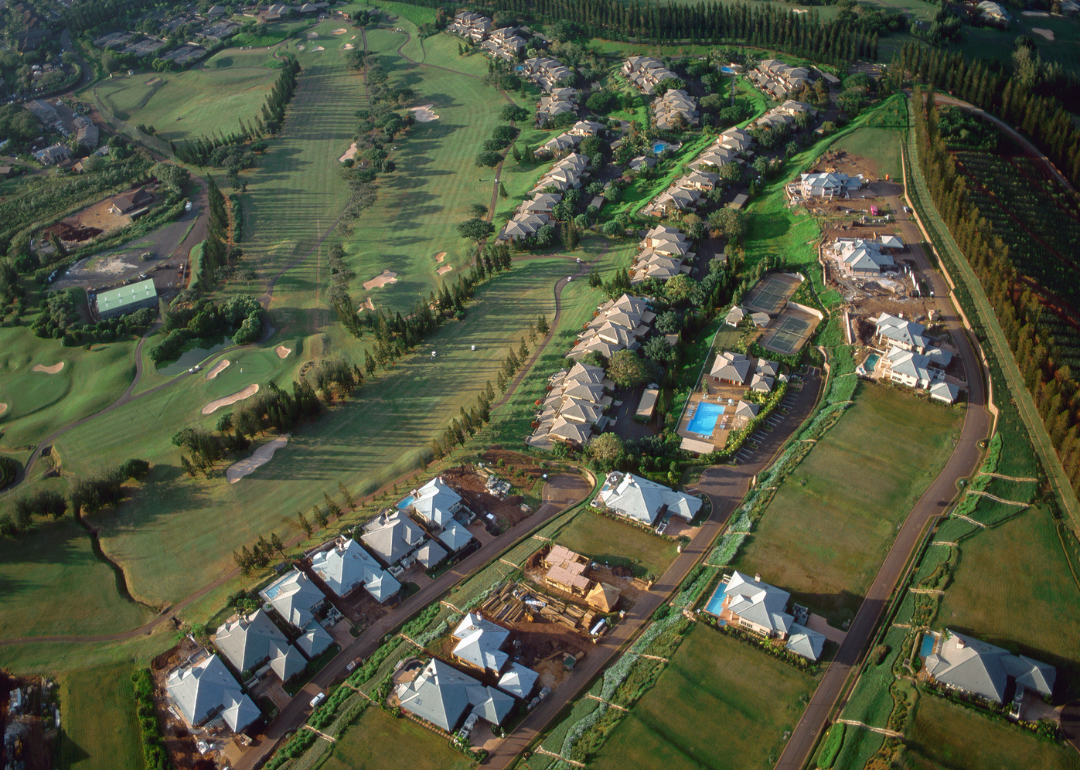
959 643
757 577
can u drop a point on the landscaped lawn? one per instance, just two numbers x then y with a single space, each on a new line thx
881 145
614 542
720 704
100 728
378 740
830 525
947 736
1013 586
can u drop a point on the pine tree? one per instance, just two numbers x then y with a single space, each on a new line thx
346 497
332 509
320 517
542 325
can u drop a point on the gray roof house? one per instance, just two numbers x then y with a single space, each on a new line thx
762 609
901 332
436 502
294 598
643 500
984 669
430 554
480 642
206 689
518 681
731 367
346 566
249 642
455 537
392 537
442 695
313 640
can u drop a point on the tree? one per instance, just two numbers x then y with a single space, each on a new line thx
514 114
475 229
305 524
320 517
542 325
478 210
605 449
502 191
332 509
626 369
659 350
730 223
488 159
346 497
225 423
243 561
277 544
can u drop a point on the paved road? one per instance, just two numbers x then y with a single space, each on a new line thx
560 493
933 503
725 486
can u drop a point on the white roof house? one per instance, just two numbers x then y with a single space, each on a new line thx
762 608
392 537
249 642
518 680
480 642
864 257
313 640
436 502
206 689
643 500
901 332
732 367
973 666
346 566
455 537
430 554
294 598
442 695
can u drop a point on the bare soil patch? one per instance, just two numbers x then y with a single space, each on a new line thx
259 458
247 392
54 369
282 351
444 269
219 367
382 279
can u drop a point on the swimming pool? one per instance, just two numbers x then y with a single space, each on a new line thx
704 419
717 600
871 362
927 645
405 503
727 70
659 147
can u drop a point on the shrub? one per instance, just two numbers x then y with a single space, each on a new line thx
135 469
9 471
152 738
830 750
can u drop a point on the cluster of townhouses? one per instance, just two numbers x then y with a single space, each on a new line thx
777 79
570 139
674 111
619 324
574 405
471 26
531 215
646 73
784 115
909 357
546 72
685 193
663 253
504 43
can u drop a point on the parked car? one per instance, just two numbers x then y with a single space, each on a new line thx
318 699
352 665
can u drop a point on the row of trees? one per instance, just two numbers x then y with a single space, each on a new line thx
260 554
1053 386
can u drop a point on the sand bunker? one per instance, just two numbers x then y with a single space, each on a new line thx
444 269
317 48
260 457
1047 33
353 37
3 408
440 256
348 46
153 81
1039 14
349 153
49 369
282 351
340 31
312 35
219 367
423 113
366 305
247 392
382 279
300 47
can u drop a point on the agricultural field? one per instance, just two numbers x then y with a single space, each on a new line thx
379 740
944 735
619 544
708 710
100 727
1034 604
828 528
230 85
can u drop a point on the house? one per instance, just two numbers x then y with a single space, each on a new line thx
346 566
472 26
566 571
294 598
442 695
478 643
735 139
945 392
643 500
619 324
901 333
126 299
130 201
430 554
436 502
911 369
392 537
746 410
646 73
760 608
248 643
967 664
603 597
826 185
519 681
576 401
584 128
730 367
863 258
735 316
675 110
206 689
52 155
313 640
559 144
778 79
994 12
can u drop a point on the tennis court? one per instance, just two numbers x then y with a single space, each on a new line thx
788 334
772 293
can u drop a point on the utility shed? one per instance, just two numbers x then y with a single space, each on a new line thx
127 299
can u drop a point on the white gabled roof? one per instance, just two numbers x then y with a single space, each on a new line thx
207 688
518 680
346 566
643 500
293 597
436 502
480 642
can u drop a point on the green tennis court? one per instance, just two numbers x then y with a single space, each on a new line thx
788 335
771 294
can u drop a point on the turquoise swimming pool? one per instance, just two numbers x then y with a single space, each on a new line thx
405 503
871 362
716 603
659 147
704 419
927 645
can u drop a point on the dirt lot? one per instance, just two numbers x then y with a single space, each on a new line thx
521 472
178 741
33 728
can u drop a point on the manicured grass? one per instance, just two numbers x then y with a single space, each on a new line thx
378 435
54 584
946 736
719 704
614 542
379 740
831 523
232 84
881 145
100 728
1013 586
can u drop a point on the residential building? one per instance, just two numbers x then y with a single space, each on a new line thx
442 695
504 44
825 185
313 640
430 554
675 110
646 73
205 690
603 597
294 598
862 258
436 502
969 665
547 72
130 201
479 643
455 536
644 501
345 566
901 333
619 324
778 79
760 608
994 13
519 681
566 571
731 367
472 26
665 253
576 402
392 537
248 643
53 154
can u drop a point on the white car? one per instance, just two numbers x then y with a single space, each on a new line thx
318 699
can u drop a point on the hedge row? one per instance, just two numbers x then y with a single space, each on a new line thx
157 758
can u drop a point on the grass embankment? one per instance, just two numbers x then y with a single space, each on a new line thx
719 704
100 728
618 544
379 740
831 523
